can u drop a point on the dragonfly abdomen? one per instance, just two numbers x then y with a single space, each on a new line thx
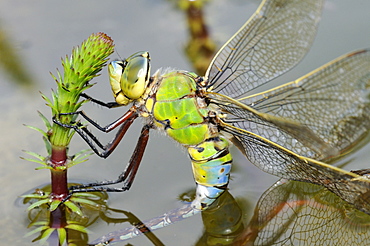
211 163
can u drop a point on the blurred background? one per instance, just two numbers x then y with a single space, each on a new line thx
36 34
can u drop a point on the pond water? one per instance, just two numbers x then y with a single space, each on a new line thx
43 31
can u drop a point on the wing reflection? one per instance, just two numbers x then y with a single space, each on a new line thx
297 213
288 213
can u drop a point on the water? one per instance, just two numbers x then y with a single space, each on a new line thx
42 32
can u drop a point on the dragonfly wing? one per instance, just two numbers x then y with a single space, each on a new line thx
271 42
282 131
333 101
277 160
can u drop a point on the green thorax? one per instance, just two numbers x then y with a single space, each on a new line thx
177 108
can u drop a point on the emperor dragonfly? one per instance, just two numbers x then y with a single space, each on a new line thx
284 131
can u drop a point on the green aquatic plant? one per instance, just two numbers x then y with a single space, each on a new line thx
84 64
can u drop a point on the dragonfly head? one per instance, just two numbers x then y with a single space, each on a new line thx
129 78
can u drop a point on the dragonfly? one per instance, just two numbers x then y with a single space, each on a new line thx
291 131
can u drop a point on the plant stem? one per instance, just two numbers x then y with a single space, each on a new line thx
83 65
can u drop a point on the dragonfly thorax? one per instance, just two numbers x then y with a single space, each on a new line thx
175 104
129 78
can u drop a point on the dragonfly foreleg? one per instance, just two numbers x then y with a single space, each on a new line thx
128 174
101 103
106 128
125 121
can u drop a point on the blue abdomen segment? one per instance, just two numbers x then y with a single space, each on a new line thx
214 173
211 162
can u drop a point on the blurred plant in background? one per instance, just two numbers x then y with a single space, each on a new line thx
200 48
11 62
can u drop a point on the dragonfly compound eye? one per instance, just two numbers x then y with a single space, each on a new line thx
115 70
135 75
129 78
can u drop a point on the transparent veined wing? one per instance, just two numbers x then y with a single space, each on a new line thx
284 132
322 115
271 42
333 101
276 160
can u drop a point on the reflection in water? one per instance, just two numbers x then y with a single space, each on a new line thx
288 213
223 221
75 225
200 48
297 213
148 226
51 227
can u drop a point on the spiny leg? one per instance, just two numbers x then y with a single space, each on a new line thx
104 104
126 120
127 176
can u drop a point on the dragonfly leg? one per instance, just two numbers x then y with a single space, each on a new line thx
125 121
128 176
105 129
101 103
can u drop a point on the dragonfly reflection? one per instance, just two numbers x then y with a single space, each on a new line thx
288 213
